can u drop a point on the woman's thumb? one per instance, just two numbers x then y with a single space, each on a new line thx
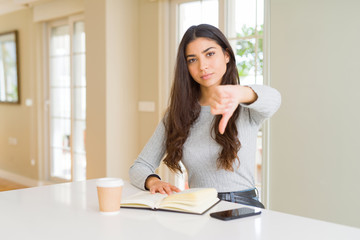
223 122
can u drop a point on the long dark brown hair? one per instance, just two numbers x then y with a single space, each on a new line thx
184 106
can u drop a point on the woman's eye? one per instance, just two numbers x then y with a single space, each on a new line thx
210 54
191 60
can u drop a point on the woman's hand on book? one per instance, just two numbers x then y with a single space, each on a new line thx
156 185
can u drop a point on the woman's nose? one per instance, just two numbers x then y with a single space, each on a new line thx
203 64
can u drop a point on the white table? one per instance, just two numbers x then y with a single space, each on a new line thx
70 211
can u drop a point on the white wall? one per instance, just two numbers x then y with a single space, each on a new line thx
315 64
122 64
112 62
18 120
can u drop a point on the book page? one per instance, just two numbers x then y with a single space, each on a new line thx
143 199
193 196
181 207
195 200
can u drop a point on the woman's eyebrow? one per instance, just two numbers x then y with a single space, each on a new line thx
207 49
193 55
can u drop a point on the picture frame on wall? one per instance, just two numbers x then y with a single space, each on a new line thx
9 68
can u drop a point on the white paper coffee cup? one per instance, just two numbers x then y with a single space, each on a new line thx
109 194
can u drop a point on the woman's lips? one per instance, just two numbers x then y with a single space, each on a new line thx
206 76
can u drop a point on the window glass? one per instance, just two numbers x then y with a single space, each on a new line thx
67 93
245 24
197 12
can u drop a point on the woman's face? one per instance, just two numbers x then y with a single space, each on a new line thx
206 62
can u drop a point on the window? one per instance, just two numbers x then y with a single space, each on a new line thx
195 13
242 21
66 115
244 29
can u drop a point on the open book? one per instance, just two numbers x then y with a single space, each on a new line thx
195 200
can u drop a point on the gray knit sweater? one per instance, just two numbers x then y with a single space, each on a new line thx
201 151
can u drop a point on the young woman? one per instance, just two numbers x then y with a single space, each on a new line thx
211 124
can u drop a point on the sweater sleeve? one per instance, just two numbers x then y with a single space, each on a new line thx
267 103
149 159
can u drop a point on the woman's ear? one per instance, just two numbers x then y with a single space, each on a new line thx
227 56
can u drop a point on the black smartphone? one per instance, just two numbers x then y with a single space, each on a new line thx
235 213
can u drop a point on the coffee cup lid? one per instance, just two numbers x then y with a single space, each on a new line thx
109 182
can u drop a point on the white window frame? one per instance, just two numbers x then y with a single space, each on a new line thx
266 126
69 21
